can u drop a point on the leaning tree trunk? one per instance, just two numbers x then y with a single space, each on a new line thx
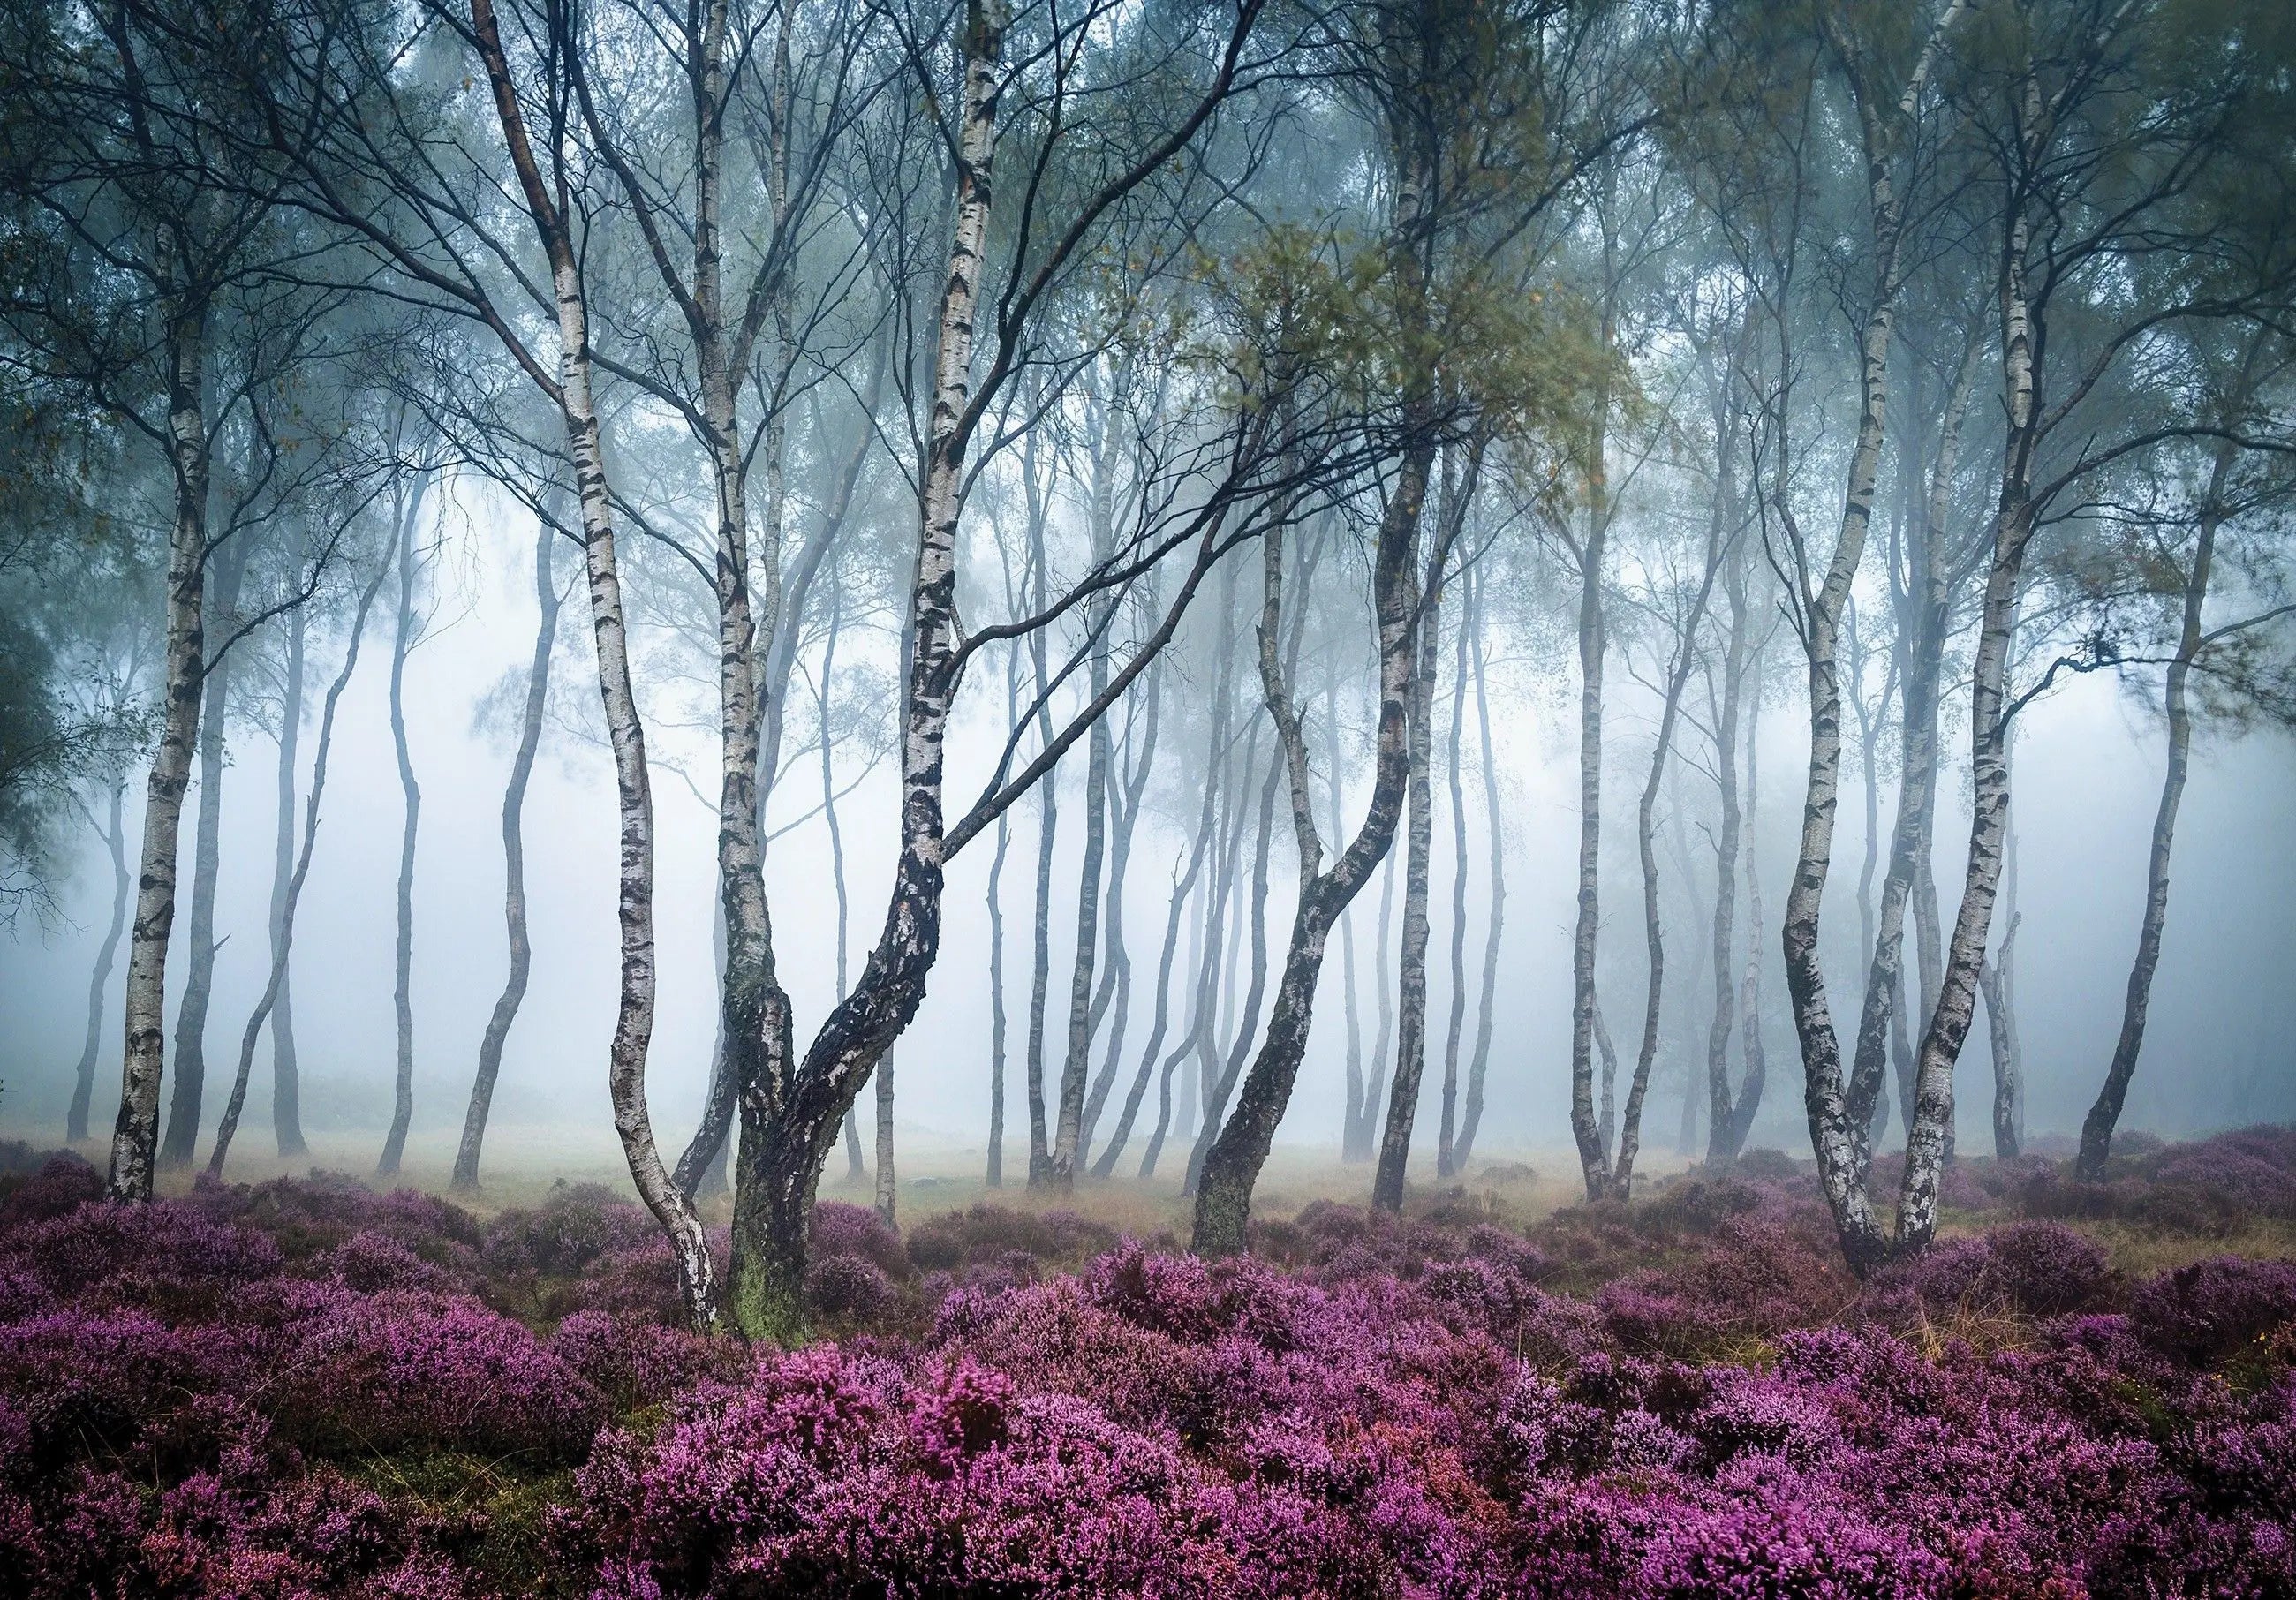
135 1132
290 894
513 836
1480 1063
789 1118
184 1105
115 838
402 993
635 1003
2104 1115
1234 1162
286 1072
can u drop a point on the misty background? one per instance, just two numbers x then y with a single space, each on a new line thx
2220 1051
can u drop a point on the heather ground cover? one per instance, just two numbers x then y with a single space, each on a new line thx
305 1387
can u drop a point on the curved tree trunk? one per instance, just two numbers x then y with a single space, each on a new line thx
513 813
290 894
635 1003
2104 1114
1233 1164
402 993
183 1104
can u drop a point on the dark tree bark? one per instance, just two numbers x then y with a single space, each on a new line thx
514 836
183 1104
115 840
291 893
402 993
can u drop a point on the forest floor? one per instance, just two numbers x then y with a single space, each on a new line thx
304 1384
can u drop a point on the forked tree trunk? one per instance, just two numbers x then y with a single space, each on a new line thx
135 1132
184 1105
514 836
1068 1133
1837 1125
2014 524
291 893
115 840
1232 1163
402 993
284 1096
635 1003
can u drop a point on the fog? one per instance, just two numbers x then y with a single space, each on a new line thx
1596 588
2221 1049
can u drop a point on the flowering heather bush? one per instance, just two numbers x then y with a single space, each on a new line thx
300 1388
